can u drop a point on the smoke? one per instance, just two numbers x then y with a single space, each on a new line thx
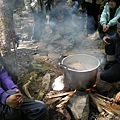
67 29
60 32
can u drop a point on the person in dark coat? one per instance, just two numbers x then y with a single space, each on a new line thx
12 104
112 74
92 10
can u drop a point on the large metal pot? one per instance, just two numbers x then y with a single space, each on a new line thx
80 79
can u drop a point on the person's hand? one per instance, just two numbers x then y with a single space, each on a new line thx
105 40
15 100
117 97
104 27
107 27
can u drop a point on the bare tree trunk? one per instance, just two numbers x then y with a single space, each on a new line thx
7 57
5 30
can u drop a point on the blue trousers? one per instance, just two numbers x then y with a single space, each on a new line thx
111 30
30 110
38 25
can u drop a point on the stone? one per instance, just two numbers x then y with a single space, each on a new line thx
79 105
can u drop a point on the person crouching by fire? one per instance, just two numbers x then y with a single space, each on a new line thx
112 74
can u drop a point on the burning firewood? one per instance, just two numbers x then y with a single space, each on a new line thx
65 100
62 94
109 99
64 112
51 101
95 102
57 100
107 104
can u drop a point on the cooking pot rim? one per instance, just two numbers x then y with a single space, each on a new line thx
82 70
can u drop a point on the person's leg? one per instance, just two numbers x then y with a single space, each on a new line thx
7 113
75 8
112 30
111 75
100 31
90 24
1 112
110 56
33 110
35 27
38 25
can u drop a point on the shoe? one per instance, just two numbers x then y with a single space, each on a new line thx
89 37
109 65
17 43
17 40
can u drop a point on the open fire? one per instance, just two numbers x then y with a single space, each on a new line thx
72 104
75 105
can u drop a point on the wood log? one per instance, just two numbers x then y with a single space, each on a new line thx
111 110
51 101
64 112
63 102
106 98
95 102
62 94
107 104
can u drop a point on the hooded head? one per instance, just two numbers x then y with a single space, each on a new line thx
117 1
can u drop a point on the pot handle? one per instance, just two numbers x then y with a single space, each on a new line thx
62 65
60 60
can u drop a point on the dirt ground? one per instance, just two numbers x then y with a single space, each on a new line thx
50 48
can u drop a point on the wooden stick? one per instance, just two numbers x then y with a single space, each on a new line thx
51 101
25 88
63 102
62 94
95 102
110 99
64 112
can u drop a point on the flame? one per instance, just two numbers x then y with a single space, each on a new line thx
89 89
